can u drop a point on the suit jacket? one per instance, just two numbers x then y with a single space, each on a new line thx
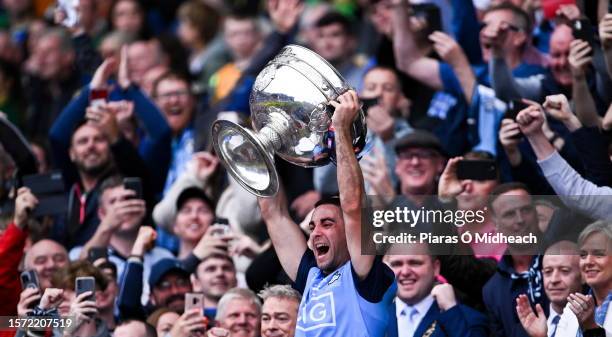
458 321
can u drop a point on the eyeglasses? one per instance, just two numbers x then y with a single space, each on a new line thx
167 285
505 24
409 155
167 95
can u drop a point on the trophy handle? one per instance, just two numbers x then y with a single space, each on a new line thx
247 156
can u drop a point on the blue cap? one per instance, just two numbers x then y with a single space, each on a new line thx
163 267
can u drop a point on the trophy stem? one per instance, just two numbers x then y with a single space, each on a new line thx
271 137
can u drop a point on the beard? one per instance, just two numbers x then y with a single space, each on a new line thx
94 170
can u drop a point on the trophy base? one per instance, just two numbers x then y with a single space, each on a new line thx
246 158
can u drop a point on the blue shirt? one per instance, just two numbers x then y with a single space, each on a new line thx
182 151
339 304
458 131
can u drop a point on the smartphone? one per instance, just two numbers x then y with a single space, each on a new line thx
134 184
220 227
98 97
514 107
96 253
194 301
29 279
431 14
367 103
482 169
583 30
84 284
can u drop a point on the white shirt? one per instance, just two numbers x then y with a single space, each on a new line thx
549 322
410 316
608 322
568 324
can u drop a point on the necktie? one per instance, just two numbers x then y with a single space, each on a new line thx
407 326
555 323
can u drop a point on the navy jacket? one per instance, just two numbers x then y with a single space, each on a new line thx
499 295
154 148
458 321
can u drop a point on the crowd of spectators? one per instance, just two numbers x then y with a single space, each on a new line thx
115 99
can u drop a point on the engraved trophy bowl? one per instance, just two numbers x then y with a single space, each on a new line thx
291 117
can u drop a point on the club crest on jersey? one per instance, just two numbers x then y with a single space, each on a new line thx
334 278
318 312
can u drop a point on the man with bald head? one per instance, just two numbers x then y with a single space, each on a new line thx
44 257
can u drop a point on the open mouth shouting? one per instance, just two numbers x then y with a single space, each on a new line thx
321 250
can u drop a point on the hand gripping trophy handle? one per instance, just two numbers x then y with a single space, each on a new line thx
290 118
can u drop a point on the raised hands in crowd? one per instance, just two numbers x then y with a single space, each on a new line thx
118 99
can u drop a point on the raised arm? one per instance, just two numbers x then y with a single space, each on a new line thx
350 181
451 53
605 35
579 60
575 191
287 238
408 57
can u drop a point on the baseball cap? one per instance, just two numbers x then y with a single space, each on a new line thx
193 192
420 139
164 266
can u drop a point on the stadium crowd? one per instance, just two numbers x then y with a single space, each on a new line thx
108 173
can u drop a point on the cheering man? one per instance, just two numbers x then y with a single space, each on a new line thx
344 293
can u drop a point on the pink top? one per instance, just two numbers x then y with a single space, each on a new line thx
483 249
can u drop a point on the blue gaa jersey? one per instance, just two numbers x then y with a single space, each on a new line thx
338 304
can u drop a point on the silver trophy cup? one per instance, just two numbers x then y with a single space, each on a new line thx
291 117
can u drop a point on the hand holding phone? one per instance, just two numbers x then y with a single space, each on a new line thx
220 227
29 279
583 30
98 97
84 284
194 302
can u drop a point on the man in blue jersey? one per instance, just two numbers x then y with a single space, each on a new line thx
344 292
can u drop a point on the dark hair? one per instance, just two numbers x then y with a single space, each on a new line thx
335 200
518 13
505 188
143 31
202 16
215 256
170 75
108 183
65 278
76 127
331 18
